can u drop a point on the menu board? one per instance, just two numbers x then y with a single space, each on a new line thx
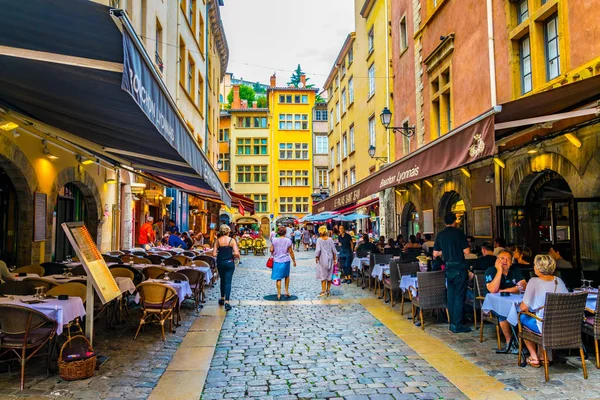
39 217
428 221
94 264
482 222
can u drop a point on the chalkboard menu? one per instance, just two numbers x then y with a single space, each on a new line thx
92 261
482 222
39 217
428 221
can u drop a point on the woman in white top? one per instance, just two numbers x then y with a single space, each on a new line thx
534 300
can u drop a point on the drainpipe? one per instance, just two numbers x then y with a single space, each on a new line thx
116 214
387 76
490 23
207 18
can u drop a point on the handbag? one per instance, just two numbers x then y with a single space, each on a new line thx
270 262
335 277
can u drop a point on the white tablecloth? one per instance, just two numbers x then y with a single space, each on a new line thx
125 284
183 289
503 306
407 281
379 270
59 279
207 271
357 262
16 277
63 311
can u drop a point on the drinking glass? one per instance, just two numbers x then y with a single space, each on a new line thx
166 277
583 288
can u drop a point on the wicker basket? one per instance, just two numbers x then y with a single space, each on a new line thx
79 369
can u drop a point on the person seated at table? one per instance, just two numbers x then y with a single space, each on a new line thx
419 238
504 277
412 243
390 244
175 241
522 257
428 245
472 246
381 243
557 252
365 247
499 245
165 239
188 241
5 274
400 241
534 300
488 260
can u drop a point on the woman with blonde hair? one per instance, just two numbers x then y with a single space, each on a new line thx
326 256
226 251
534 300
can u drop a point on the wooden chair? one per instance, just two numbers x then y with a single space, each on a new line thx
40 282
407 269
190 254
163 254
392 283
17 288
115 253
591 326
71 289
25 332
139 253
196 279
153 272
563 313
480 292
31 269
158 302
431 293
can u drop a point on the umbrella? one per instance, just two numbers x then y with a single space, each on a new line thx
351 217
324 216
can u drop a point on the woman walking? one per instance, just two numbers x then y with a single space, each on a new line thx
306 238
282 251
225 250
326 257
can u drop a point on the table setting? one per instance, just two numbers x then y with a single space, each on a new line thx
17 277
182 288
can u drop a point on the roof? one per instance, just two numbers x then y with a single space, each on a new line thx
256 110
341 55
292 88
219 33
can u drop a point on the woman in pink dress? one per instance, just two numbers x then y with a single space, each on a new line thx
326 256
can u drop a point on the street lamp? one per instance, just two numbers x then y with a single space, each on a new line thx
372 154
386 119
220 165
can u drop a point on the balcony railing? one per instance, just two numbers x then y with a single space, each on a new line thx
159 61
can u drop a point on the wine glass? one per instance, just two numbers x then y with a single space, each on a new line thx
166 277
583 288
162 263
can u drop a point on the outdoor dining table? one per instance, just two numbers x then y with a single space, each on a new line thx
125 284
16 277
208 274
357 262
63 311
505 306
379 270
182 288
407 281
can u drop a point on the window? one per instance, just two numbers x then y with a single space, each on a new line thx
288 98
286 204
350 56
339 154
321 144
261 122
320 115
286 178
293 121
304 99
345 180
190 76
337 112
330 92
339 185
403 35
244 146
301 178
522 11
224 158
293 151
200 99
525 60
301 204
552 50
343 100
441 111
372 80
322 177
351 90
331 158
331 122
343 69
244 174
191 12
259 146
372 131
371 41
244 122
181 61
297 99
282 98
345 145
301 151
158 46
352 176
405 140
201 33
351 134
224 135
260 202
337 81
259 173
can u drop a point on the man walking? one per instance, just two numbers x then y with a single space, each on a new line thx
451 244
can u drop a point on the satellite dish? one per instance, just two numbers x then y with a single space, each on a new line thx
300 84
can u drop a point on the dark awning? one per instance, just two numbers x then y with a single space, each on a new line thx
464 145
66 64
240 201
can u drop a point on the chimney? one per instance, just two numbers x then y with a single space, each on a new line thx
255 104
236 97
244 104
273 80
303 80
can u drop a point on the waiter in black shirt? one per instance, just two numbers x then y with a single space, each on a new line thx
451 244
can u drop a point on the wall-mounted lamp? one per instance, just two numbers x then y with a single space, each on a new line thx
575 141
386 119
84 160
466 172
428 183
499 162
416 185
8 125
372 154
50 155
111 181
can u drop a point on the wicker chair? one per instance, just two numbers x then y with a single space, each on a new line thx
210 260
431 294
138 277
172 262
196 279
139 253
115 253
182 259
78 271
155 259
40 282
378 259
591 326
562 321
480 292
120 272
158 302
71 289
200 263
52 268
109 258
173 276
190 254
31 269
25 330
127 257
392 284
407 269
153 272
17 288
243 246
260 247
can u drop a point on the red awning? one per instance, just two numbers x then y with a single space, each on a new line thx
204 193
238 200
367 203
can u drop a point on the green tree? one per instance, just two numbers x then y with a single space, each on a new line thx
262 102
246 93
319 99
295 78
258 88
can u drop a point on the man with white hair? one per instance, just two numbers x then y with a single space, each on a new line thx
147 235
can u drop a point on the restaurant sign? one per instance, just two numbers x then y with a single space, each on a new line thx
464 145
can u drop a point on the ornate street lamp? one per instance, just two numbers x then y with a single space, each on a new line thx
220 165
372 155
386 119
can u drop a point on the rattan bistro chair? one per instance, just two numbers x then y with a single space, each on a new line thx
24 333
407 269
172 262
392 283
120 272
40 282
431 294
173 276
111 259
591 326
31 269
481 291
182 259
563 314
71 289
153 272
196 279
52 268
155 259
210 260
158 302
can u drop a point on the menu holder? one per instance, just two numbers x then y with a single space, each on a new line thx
482 222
